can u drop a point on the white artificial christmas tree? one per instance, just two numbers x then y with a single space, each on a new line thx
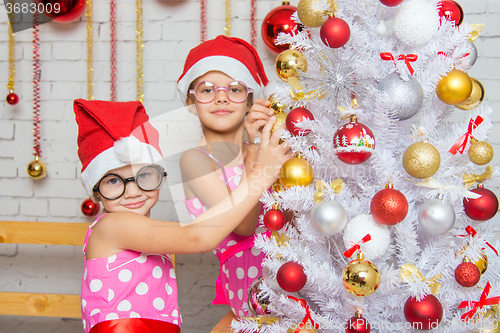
395 75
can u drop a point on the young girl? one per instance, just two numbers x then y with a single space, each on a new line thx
221 77
128 281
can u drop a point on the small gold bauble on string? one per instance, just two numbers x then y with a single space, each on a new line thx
309 13
276 105
289 63
421 160
296 171
37 169
361 277
454 88
476 96
480 152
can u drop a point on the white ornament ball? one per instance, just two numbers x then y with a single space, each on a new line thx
436 217
358 227
381 28
416 22
328 217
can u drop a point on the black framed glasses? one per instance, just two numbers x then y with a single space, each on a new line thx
206 91
148 178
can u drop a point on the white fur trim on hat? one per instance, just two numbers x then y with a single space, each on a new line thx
227 65
113 158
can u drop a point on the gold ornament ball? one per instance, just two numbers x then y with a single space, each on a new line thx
361 277
476 96
289 63
296 171
421 160
480 152
454 88
37 169
482 264
309 13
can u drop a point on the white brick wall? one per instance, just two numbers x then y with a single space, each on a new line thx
171 28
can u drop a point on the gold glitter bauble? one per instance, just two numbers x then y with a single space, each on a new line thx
275 105
476 96
309 13
421 160
361 277
454 88
482 263
289 63
37 169
296 171
480 152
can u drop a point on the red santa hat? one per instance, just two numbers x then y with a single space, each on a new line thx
112 135
230 55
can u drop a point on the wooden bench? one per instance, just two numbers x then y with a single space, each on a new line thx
224 326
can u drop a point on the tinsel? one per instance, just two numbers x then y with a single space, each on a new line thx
112 5
37 151
227 27
139 31
12 59
90 51
253 23
203 20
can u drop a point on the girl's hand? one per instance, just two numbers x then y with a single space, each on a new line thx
257 118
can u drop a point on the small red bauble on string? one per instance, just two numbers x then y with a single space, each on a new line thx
391 3
90 208
357 324
423 315
291 277
296 116
274 219
276 21
467 274
451 10
12 98
64 11
483 208
389 206
354 142
335 32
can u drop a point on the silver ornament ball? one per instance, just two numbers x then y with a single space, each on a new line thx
271 282
436 217
328 217
405 97
469 60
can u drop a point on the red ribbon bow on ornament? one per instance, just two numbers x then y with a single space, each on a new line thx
357 246
307 317
472 233
478 305
462 142
407 58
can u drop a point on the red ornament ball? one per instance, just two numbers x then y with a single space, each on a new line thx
296 116
467 274
354 142
12 99
389 206
423 315
90 208
391 3
335 32
291 277
276 21
451 10
357 325
64 11
483 208
274 219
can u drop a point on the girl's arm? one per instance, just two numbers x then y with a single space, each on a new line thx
116 232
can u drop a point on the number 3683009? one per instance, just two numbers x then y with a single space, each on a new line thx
32 8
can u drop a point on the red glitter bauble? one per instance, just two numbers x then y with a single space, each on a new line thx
69 10
451 10
12 98
90 208
274 219
354 142
483 208
423 315
467 274
335 32
357 325
291 277
391 3
389 206
296 116
276 21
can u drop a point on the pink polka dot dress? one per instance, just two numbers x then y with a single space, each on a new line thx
129 284
238 271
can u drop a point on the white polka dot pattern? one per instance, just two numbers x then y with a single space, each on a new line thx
141 289
125 275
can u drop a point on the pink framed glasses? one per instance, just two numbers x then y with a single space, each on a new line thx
206 91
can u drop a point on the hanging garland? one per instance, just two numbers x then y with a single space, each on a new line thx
90 52
12 98
139 51
203 20
253 23
227 29
113 49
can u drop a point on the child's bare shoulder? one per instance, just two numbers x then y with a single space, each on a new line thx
194 163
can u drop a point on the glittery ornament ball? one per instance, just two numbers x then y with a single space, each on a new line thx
421 160
309 13
467 274
416 22
363 224
405 97
389 206
481 152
